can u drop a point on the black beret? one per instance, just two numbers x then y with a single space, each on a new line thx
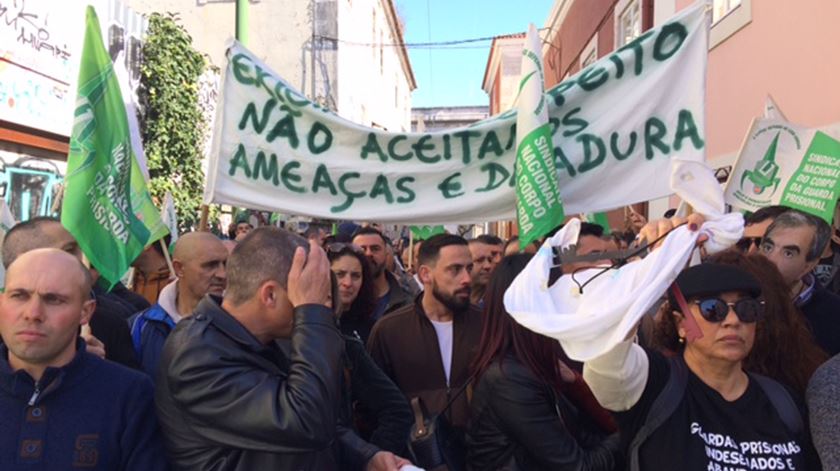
714 278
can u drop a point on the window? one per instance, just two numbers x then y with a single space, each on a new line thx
629 22
728 17
721 8
590 53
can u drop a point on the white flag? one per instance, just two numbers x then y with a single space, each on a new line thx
170 217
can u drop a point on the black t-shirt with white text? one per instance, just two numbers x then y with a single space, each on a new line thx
708 433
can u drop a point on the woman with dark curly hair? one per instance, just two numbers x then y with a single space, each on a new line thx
356 296
784 347
701 409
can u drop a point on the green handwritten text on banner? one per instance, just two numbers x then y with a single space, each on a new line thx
615 126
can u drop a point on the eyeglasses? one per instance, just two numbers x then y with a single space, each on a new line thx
748 310
746 243
338 247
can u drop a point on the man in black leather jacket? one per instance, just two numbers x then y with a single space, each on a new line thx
229 399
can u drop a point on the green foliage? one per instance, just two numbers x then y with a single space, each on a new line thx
170 120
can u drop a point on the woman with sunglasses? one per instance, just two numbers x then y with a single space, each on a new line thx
356 295
784 347
699 410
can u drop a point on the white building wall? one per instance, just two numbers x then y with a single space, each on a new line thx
348 75
279 33
373 88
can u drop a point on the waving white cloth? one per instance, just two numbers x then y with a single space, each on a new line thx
591 323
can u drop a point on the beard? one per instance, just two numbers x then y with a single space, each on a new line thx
376 269
453 303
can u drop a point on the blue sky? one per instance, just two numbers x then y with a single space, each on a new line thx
453 77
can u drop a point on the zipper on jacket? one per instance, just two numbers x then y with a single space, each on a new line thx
35 394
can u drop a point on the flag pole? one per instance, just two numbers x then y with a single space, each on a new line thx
205 213
167 256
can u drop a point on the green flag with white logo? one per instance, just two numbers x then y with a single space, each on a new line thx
538 205
107 206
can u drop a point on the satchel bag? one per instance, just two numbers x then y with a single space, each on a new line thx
430 441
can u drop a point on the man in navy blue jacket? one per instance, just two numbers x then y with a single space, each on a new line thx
60 406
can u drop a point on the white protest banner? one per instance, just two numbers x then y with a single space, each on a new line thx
616 126
782 163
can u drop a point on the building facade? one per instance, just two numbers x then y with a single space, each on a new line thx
756 48
438 118
346 55
40 50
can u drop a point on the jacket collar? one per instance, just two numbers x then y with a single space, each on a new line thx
211 308
168 300
20 383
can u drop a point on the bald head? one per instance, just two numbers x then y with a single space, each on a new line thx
199 261
38 233
192 243
51 261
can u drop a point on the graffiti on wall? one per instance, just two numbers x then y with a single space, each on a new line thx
29 184
40 50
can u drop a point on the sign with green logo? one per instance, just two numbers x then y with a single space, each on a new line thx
782 163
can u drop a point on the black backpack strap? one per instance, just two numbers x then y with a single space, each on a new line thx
783 403
662 408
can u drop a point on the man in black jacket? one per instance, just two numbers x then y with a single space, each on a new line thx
229 399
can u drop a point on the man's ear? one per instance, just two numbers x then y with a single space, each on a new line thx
268 294
178 266
88 307
425 274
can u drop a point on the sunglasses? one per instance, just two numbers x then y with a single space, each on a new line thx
339 247
748 310
746 242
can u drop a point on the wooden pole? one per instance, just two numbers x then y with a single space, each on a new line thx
411 249
167 257
205 214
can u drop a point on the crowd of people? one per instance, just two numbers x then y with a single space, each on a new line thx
271 350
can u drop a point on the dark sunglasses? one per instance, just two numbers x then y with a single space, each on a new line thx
339 247
746 242
748 310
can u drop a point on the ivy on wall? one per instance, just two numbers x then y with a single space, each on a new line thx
171 122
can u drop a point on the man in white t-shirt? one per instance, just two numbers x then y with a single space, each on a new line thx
426 348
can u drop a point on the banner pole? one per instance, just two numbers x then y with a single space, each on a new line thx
205 213
411 249
167 257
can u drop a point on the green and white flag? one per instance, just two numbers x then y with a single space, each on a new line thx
170 218
107 206
787 164
538 205
425 232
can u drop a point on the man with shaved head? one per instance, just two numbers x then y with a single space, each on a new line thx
199 263
52 412
107 326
